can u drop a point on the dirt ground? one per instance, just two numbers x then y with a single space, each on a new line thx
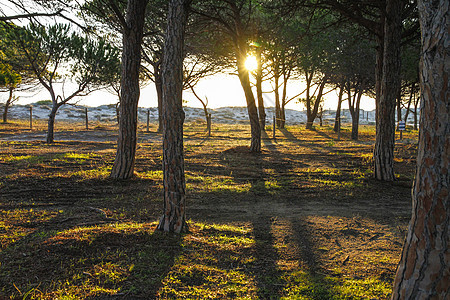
308 199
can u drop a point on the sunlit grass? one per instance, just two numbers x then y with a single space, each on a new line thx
29 159
78 157
216 184
18 223
101 172
71 252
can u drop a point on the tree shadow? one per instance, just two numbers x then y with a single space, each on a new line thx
317 284
123 261
265 270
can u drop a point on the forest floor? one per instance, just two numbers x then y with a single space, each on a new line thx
302 220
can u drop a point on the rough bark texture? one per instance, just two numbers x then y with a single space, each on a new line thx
424 269
390 84
51 124
174 217
353 106
123 167
255 145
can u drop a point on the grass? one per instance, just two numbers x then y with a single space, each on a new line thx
302 220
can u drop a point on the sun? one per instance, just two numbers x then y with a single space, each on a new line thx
251 63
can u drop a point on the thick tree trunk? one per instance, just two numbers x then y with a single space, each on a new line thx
353 105
338 110
390 84
123 167
355 117
255 145
424 269
174 217
51 124
259 93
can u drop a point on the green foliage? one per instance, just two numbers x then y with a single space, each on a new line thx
9 77
53 52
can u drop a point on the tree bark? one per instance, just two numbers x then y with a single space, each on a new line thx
283 115
390 84
259 93
123 167
424 269
355 117
284 98
311 113
277 95
338 109
7 105
255 144
51 124
174 217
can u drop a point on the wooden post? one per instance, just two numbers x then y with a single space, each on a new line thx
208 124
86 118
31 117
148 119
274 124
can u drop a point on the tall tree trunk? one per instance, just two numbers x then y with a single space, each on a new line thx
123 167
338 109
312 113
284 99
283 115
277 96
424 269
259 93
174 217
390 84
255 145
7 105
355 116
51 124
309 119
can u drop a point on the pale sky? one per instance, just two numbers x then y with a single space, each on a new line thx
221 90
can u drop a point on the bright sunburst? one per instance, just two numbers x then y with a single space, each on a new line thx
251 63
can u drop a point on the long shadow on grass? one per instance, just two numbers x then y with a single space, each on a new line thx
122 261
311 281
265 270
